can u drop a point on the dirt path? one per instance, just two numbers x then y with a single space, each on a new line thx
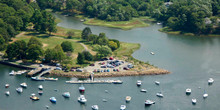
20 34
85 47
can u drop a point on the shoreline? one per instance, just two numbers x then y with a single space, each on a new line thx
111 74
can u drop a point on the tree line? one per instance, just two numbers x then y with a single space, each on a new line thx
17 15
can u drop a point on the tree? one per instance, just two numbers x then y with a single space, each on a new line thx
50 55
88 56
86 32
34 52
103 50
70 34
60 55
34 40
21 46
3 44
51 24
67 46
11 51
80 58
113 45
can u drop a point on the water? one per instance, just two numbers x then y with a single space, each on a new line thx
192 60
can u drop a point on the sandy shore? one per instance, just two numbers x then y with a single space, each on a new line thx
154 71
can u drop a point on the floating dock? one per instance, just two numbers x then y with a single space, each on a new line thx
95 82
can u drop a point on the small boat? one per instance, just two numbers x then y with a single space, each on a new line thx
7 93
104 100
53 100
95 107
123 107
34 98
33 94
82 89
38 78
152 53
117 82
82 99
159 23
82 20
143 90
128 98
40 92
19 90
47 107
194 101
51 79
106 91
7 85
205 95
24 85
139 82
157 82
159 94
12 73
66 94
210 81
149 102
188 91
40 87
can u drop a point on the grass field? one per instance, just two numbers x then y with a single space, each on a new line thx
125 25
126 49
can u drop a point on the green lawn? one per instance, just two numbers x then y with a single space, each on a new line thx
126 49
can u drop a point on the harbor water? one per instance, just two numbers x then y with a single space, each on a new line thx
191 60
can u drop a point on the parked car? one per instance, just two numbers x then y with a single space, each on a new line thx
114 69
130 66
92 65
117 70
126 68
41 65
79 70
108 70
105 70
58 68
103 66
104 59
98 70
94 70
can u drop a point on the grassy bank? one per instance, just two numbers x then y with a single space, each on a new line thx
170 31
125 25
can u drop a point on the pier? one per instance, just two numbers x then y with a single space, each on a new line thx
95 82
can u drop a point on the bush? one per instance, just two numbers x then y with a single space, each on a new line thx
67 46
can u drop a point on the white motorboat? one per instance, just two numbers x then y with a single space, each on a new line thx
139 82
123 107
82 99
40 87
104 100
143 90
24 85
157 82
19 90
7 93
66 94
194 101
53 99
40 92
152 53
95 107
128 98
149 102
210 81
188 91
7 85
82 89
12 73
205 95
34 98
159 94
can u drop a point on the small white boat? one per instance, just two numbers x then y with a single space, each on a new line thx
188 91
157 82
95 107
149 102
152 53
205 95
143 90
24 85
106 91
12 73
139 82
19 90
104 100
7 85
7 93
128 98
122 107
40 87
194 101
159 94
40 92
82 89
47 107
82 99
159 23
66 94
53 99
210 81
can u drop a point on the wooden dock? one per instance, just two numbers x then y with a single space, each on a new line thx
95 82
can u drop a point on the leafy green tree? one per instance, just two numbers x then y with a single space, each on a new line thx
11 51
67 46
50 55
113 45
103 50
88 56
3 44
21 46
34 40
34 52
86 32
60 55
80 58
70 34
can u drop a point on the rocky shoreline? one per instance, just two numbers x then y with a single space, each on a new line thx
154 71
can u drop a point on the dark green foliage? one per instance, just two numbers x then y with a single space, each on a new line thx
16 50
60 55
86 32
34 40
50 55
67 46
80 58
88 56
34 52
70 34
3 44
